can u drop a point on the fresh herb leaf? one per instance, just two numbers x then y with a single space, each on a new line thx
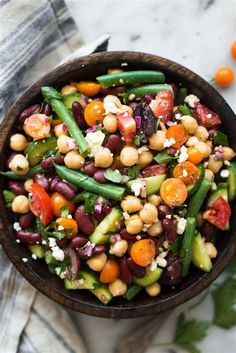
189 347
81 196
133 172
156 124
221 139
224 298
137 140
231 268
164 157
46 231
52 153
176 244
184 109
65 263
64 211
113 175
188 331
41 229
57 235
89 202
9 196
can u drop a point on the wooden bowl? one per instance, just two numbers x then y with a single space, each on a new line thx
36 272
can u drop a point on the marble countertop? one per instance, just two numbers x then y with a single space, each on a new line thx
195 33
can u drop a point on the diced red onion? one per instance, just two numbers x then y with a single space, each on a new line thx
64 127
114 238
47 120
98 208
71 144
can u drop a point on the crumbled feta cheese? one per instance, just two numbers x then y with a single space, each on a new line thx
183 154
166 244
126 216
110 107
24 259
168 216
161 262
131 96
191 100
136 186
52 242
205 164
60 228
209 116
181 225
69 216
153 265
95 140
138 237
169 142
58 253
213 187
178 116
59 273
34 256
124 64
16 226
81 281
185 173
224 173
43 242
18 241
227 163
163 254
142 149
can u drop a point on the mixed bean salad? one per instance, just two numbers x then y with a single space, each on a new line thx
120 184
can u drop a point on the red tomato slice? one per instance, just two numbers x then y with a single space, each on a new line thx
40 203
127 126
219 213
163 105
154 170
205 116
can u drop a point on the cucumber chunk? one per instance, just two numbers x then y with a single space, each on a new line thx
102 293
86 280
200 257
232 181
222 190
38 250
149 278
69 99
153 183
132 291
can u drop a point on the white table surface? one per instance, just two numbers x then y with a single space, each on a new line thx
195 33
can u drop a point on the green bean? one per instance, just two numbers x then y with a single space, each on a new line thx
132 291
138 92
187 245
131 77
181 95
197 199
34 170
88 183
63 113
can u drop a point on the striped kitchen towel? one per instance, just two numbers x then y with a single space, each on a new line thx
35 35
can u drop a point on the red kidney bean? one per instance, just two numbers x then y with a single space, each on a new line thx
207 231
73 269
153 170
85 222
106 209
27 237
169 229
113 143
99 176
17 187
112 90
47 110
171 151
89 168
9 159
33 109
99 249
42 181
64 189
125 273
99 215
26 220
79 241
47 164
163 211
127 236
78 114
172 272
147 98
136 270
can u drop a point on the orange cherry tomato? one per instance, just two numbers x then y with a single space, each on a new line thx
58 202
37 126
94 113
70 226
194 156
56 122
233 49
187 172
173 192
178 133
143 252
110 272
88 88
40 203
224 76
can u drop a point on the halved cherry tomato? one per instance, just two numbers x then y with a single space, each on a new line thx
40 203
194 156
162 106
153 170
178 133
58 202
205 116
70 226
127 126
187 172
173 192
37 126
94 113
110 271
233 50
219 213
88 88
143 252
224 76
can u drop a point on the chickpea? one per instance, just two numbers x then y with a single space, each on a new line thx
192 141
18 142
110 123
20 204
112 99
129 156
27 184
154 199
156 141
145 158
103 157
190 124
148 213
74 160
153 290
214 164
155 229
209 144
96 263
117 288
19 164
119 248
228 154
201 133
211 250
60 130
209 174
203 148
126 108
65 144
68 89
131 204
134 224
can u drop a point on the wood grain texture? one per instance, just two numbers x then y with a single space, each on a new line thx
36 271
